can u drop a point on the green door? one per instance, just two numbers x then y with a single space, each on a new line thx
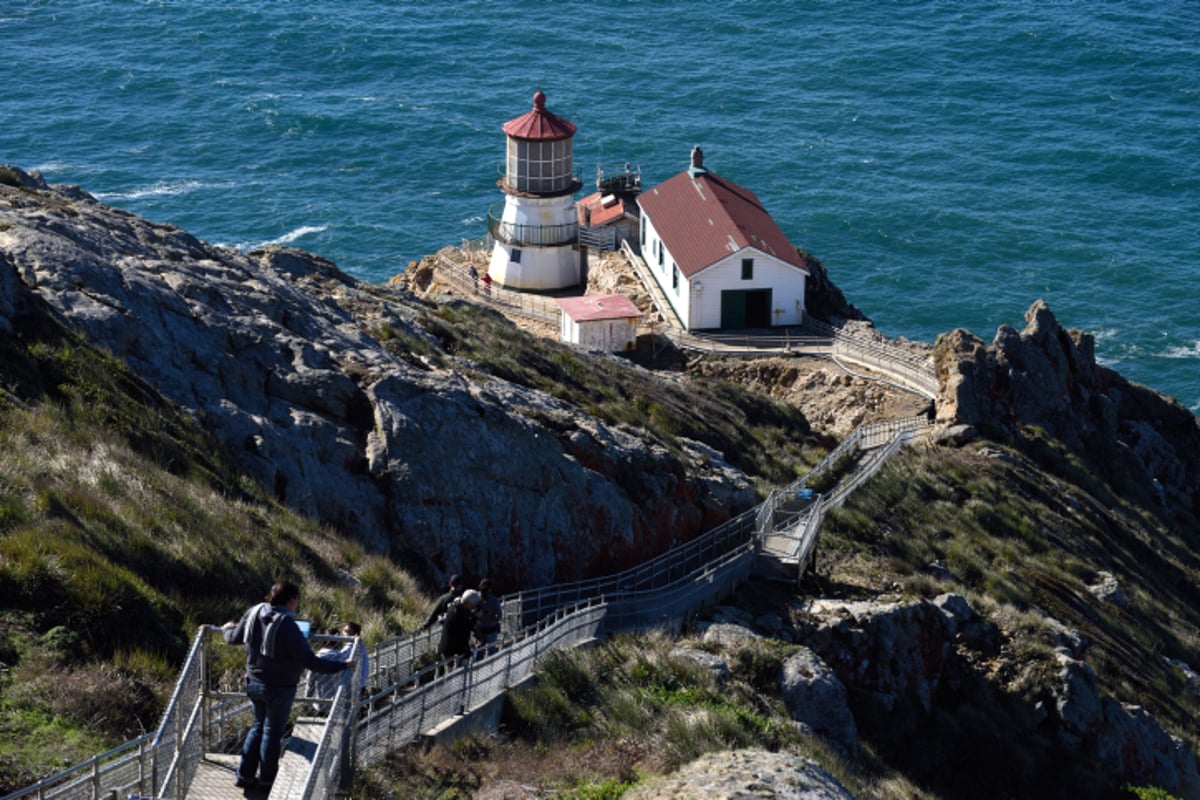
745 308
733 309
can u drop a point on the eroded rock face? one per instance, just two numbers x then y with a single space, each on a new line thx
890 653
273 351
1047 376
1126 739
889 650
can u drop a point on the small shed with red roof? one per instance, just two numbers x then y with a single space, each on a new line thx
719 257
600 322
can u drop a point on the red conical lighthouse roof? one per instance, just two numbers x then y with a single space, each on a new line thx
539 124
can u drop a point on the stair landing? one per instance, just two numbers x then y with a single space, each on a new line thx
217 771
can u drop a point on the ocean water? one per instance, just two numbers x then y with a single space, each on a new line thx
950 163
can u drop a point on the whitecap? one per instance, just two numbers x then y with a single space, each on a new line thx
51 167
165 189
1183 351
300 232
287 238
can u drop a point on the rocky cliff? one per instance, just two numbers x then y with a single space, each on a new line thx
280 354
1047 376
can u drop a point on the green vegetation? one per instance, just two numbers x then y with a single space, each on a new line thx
1150 793
122 529
597 721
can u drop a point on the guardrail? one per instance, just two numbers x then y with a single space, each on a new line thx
911 370
333 759
532 306
207 713
401 713
789 525
123 770
528 235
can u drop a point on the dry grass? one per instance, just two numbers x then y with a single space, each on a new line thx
122 529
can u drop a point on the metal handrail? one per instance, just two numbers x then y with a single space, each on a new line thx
528 235
334 748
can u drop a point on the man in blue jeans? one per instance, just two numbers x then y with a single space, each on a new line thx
276 655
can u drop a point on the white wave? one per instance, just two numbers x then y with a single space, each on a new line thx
287 238
164 189
1183 351
1105 334
299 233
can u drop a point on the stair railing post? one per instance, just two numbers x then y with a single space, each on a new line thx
202 695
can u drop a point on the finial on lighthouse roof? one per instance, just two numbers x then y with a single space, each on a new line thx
538 123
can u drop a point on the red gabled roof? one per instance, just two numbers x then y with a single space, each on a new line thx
706 218
598 306
539 124
602 214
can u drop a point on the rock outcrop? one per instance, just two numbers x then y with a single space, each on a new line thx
817 699
740 774
1126 739
274 353
912 653
1047 376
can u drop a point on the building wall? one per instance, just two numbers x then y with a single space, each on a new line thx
663 268
539 268
605 335
784 280
697 300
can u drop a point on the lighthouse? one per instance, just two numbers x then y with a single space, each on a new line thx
537 233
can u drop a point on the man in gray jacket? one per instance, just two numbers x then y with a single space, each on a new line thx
277 653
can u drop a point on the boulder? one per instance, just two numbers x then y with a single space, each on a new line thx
727 634
740 774
886 650
1126 739
1106 589
1131 744
815 697
714 664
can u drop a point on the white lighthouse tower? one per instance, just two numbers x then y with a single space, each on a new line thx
537 234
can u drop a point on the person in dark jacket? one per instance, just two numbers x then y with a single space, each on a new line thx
277 653
487 622
458 625
443 603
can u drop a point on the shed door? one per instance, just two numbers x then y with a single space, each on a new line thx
745 308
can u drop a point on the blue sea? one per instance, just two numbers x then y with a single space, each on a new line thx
949 162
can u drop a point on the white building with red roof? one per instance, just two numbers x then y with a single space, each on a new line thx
600 322
719 257
536 236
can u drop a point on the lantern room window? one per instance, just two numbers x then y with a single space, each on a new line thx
540 167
